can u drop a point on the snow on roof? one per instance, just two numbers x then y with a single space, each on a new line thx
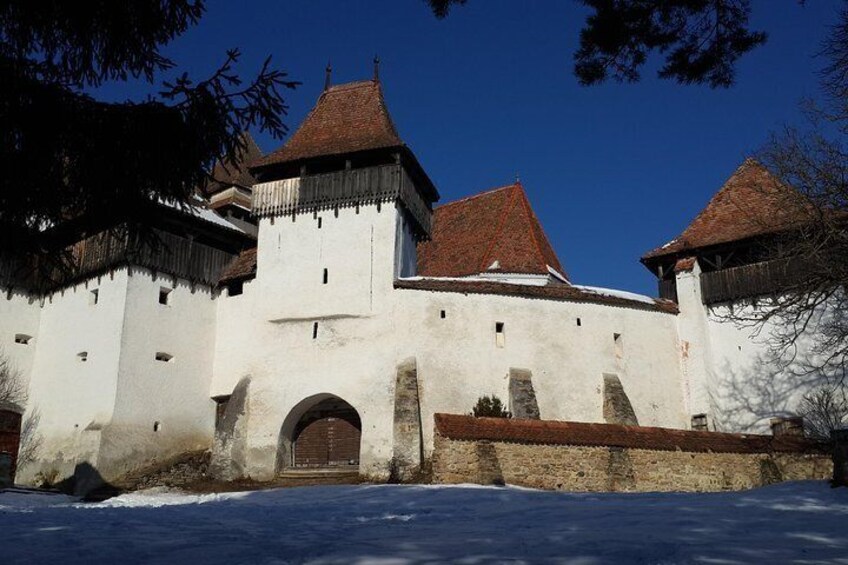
198 209
615 293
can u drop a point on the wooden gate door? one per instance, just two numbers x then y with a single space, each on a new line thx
324 440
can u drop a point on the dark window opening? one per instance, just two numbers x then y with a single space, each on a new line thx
699 423
23 339
315 330
164 295
235 288
94 296
326 276
164 357
579 323
319 223
442 314
500 338
156 426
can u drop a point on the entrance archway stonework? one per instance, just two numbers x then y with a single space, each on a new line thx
321 431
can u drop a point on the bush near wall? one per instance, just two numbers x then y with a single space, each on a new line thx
577 456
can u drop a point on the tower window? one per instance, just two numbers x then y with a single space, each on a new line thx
82 356
23 339
164 357
315 330
93 296
320 222
442 314
326 276
500 338
579 322
157 426
164 295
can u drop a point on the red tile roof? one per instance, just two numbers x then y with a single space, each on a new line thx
242 267
497 226
751 203
347 118
550 432
564 292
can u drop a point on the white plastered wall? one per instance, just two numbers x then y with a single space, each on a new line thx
162 408
19 315
266 333
731 371
366 328
74 397
459 360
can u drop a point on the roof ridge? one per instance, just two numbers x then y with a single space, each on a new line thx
352 84
531 217
501 223
473 196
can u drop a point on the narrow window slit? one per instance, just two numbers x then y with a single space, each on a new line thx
315 330
22 339
164 357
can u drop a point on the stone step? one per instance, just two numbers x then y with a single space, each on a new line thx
321 472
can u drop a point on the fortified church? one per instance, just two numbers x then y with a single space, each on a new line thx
317 306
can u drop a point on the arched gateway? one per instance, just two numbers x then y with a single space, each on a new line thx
320 431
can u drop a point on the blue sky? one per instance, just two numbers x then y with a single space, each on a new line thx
488 93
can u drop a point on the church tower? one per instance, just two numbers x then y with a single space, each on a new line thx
341 206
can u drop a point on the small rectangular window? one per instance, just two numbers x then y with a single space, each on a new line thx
326 276
315 330
23 339
82 356
235 288
320 222
579 323
442 314
500 338
164 295
699 422
618 343
164 357
93 297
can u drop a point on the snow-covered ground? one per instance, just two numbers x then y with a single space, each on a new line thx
803 522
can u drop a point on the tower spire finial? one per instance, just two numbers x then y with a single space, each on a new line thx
328 75
376 68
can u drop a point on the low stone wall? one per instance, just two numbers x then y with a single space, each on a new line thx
602 457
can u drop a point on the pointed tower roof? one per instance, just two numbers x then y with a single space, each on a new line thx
228 173
752 202
495 231
347 118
